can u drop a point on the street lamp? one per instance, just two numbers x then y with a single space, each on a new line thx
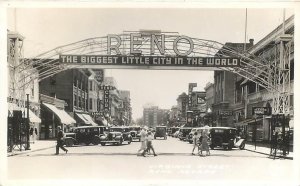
27 125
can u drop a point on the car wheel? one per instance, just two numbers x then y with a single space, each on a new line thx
139 139
212 147
129 142
190 142
242 146
69 142
103 144
96 141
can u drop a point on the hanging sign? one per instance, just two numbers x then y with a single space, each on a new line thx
130 60
261 110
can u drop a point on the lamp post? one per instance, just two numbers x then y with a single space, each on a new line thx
27 125
255 131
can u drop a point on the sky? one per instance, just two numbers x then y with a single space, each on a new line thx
45 29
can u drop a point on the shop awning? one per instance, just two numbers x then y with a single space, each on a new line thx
64 117
32 117
87 119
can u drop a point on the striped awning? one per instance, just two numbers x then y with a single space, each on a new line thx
64 117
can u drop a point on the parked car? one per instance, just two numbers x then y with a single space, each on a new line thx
160 132
174 130
85 135
116 135
184 133
225 137
135 132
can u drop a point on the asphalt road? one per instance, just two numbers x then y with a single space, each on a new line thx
174 161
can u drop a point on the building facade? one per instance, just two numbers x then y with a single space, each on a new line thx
71 86
249 94
223 105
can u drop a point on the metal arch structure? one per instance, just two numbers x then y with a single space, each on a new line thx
253 68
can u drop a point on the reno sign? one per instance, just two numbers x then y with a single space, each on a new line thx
149 51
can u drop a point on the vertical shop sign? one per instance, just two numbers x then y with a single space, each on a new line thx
106 102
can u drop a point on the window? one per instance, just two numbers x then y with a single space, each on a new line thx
292 102
79 99
52 94
75 100
91 85
91 103
32 91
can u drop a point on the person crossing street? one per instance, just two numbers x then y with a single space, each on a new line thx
60 141
149 139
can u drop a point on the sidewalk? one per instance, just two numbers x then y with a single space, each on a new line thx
266 151
36 146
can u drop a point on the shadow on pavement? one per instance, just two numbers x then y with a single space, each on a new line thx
138 155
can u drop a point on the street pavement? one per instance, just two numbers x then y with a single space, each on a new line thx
174 162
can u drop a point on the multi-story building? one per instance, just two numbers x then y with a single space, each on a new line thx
249 94
154 116
182 104
150 116
222 107
173 116
125 110
21 83
72 86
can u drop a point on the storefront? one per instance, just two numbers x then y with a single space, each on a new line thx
84 119
52 117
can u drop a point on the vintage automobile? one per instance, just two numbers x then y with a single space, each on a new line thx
160 132
173 131
225 137
135 132
116 135
85 135
184 133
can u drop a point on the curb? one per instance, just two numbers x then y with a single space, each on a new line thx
284 157
26 152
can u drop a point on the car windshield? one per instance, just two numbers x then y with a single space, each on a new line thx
116 129
160 129
135 129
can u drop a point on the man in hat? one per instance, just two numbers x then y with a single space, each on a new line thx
143 139
60 141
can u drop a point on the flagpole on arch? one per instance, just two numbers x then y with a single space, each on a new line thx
245 41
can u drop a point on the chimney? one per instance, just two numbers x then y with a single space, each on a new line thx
251 41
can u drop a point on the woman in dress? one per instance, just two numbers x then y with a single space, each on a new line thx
204 143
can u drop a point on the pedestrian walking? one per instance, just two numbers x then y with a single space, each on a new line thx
35 133
195 142
60 141
143 140
204 143
149 139
31 135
